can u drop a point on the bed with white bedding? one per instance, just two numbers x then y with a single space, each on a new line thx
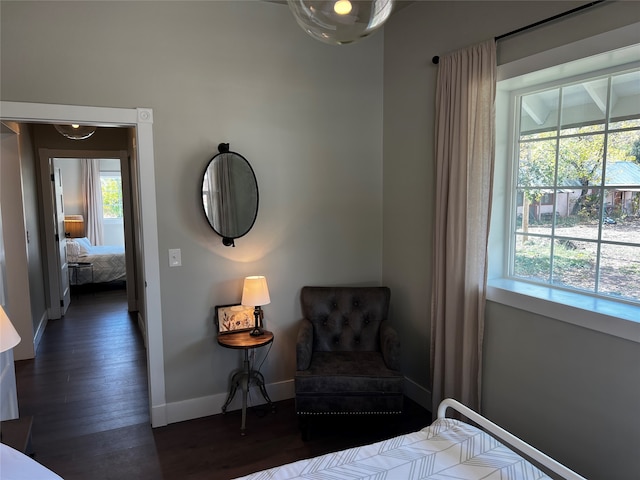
108 262
447 449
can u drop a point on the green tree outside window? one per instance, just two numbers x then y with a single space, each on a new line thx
111 196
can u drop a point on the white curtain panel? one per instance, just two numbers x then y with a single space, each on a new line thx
465 146
229 221
93 201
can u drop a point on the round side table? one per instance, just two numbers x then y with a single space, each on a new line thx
243 378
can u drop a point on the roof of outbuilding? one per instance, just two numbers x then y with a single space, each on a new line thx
623 173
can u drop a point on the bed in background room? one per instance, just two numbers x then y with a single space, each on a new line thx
107 262
448 448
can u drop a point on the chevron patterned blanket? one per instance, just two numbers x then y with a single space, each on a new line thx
447 449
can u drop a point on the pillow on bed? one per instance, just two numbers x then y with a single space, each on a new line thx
77 247
73 250
85 244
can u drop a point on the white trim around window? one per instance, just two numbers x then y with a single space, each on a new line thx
598 53
606 316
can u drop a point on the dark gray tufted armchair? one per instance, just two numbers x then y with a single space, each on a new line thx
347 354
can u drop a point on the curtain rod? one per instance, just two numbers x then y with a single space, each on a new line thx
436 59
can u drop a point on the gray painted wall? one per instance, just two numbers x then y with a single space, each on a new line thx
572 392
34 256
576 391
307 116
8 393
17 302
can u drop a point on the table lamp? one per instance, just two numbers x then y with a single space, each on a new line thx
9 338
74 226
255 293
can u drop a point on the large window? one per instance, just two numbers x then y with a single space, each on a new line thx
575 195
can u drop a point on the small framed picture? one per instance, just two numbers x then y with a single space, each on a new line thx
234 318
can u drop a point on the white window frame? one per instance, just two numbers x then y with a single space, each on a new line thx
118 175
591 56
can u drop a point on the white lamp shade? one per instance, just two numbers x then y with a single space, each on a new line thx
338 22
74 226
255 291
9 338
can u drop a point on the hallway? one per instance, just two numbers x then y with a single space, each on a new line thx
87 392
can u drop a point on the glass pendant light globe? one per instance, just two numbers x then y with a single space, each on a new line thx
75 132
338 22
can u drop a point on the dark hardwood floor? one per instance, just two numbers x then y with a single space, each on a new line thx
87 392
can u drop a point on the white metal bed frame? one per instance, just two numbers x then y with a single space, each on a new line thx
509 439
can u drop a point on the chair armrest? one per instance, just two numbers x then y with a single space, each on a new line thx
390 346
304 345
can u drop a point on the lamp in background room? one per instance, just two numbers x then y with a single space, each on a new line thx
255 293
74 226
338 22
9 337
75 131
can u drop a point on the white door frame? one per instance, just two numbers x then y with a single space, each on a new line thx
142 120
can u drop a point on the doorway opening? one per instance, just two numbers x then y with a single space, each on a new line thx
140 122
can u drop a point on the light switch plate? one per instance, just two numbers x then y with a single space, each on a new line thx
175 257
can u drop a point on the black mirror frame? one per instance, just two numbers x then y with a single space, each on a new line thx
229 241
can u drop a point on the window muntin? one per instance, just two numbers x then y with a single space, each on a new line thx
573 141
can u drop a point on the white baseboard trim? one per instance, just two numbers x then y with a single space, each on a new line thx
158 416
417 393
192 408
42 324
212 404
143 330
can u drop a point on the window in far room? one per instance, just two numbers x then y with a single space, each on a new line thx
111 186
112 205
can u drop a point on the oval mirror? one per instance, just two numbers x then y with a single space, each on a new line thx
230 195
